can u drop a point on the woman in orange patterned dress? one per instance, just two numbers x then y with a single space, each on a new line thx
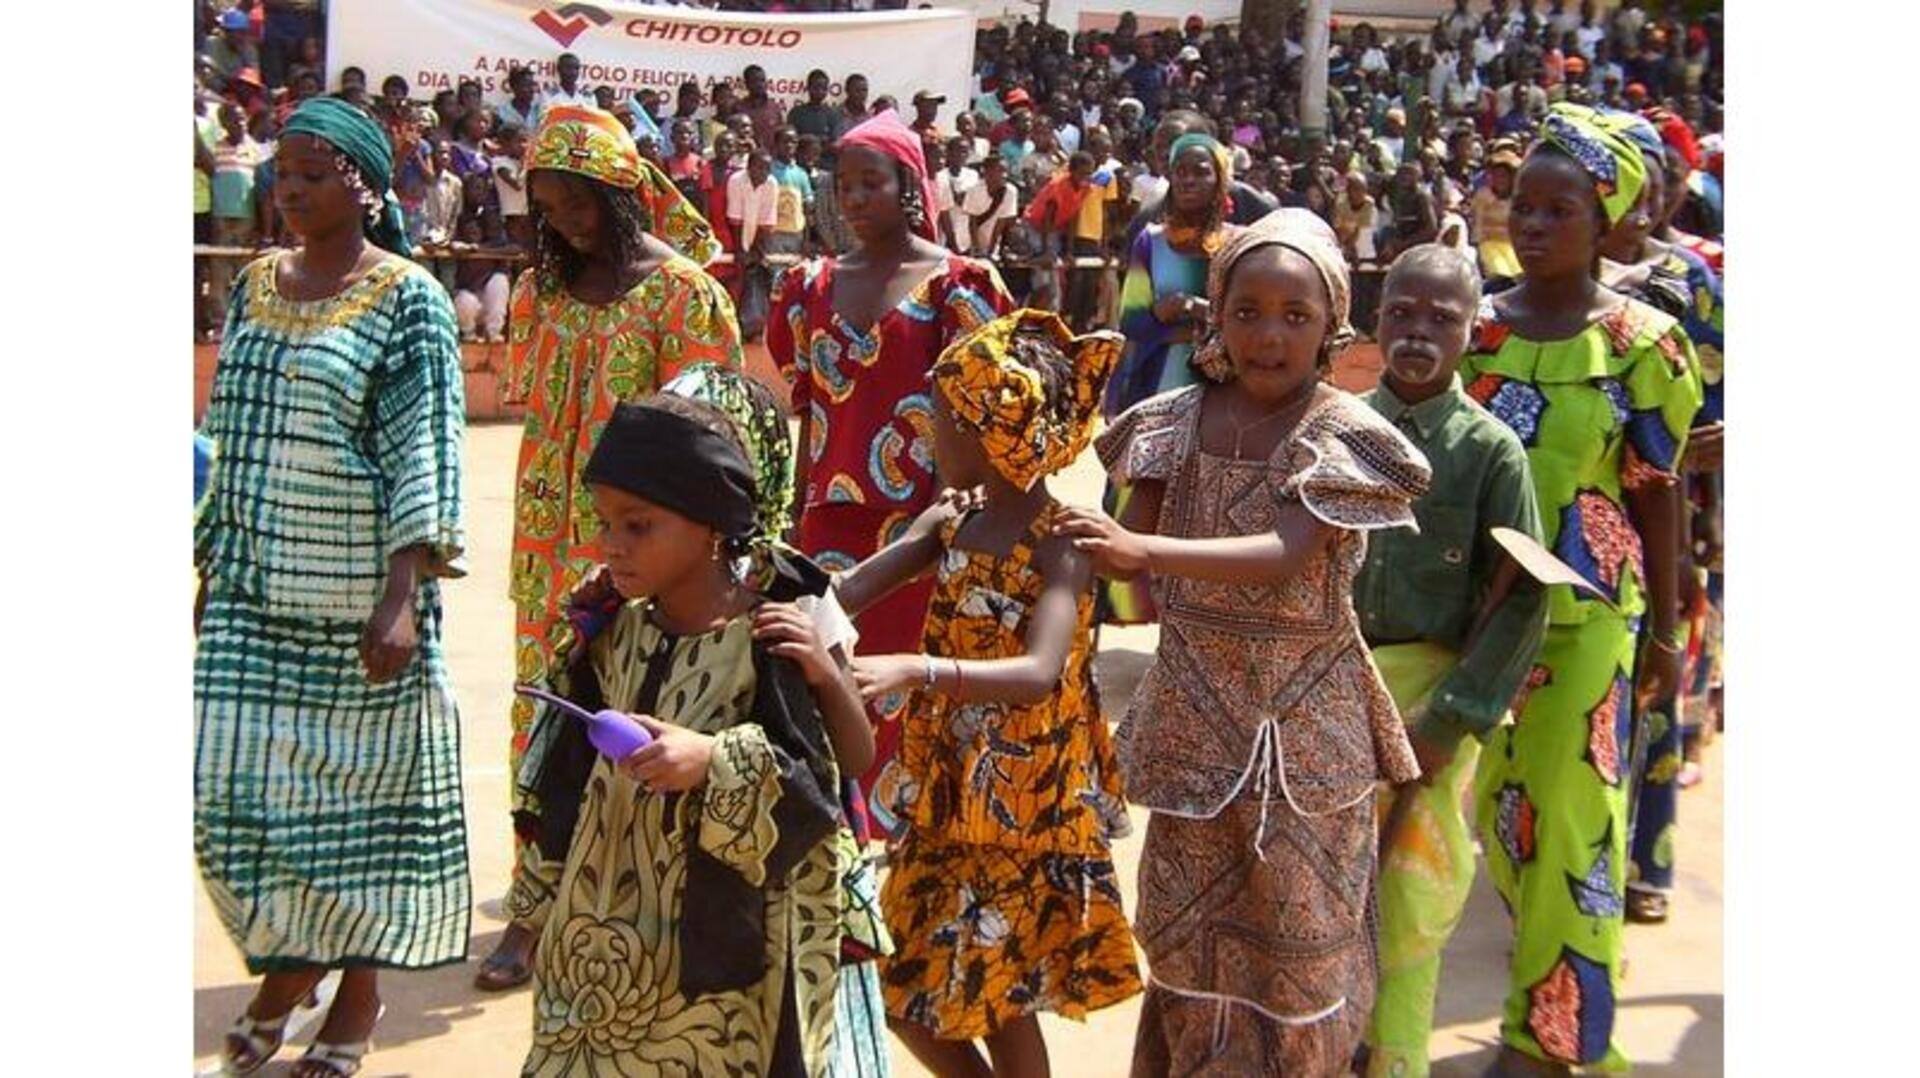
1001 898
614 307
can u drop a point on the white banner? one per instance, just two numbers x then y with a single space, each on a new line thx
631 47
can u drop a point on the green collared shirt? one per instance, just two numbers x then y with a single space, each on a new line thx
1431 586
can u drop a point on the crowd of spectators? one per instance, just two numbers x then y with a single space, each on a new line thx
1059 153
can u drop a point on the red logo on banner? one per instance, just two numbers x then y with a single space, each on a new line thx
569 22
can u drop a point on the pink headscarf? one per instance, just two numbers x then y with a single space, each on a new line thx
886 134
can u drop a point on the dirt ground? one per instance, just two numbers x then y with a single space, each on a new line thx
1670 1014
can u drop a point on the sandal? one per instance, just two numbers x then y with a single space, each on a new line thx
1646 907
263 1040
499 974
343 1060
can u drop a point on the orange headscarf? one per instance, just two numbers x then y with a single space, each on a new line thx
591 143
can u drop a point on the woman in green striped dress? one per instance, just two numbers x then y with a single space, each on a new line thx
328 822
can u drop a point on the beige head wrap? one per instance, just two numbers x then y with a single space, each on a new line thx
1301 231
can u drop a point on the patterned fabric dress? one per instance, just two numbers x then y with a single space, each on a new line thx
571 363
328 822
610 973
1678 282
1600 414
1257 738
863 399
1001 897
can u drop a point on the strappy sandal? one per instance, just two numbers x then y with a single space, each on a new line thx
263 1040
344 1060
498 974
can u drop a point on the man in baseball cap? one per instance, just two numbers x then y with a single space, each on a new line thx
926 105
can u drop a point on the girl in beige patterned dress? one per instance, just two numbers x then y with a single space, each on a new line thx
1260 732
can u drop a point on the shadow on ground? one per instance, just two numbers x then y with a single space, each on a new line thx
420 1006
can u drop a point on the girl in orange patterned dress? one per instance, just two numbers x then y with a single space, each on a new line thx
1001 899
615 305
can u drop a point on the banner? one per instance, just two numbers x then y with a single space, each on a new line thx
630 47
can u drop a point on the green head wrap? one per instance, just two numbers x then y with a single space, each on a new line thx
364 145
1209 235
1597 146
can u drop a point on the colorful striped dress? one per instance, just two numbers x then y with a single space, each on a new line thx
1154 363
328 822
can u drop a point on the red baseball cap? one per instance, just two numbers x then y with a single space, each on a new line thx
1017 98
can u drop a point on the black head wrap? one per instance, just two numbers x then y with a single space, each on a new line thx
673 461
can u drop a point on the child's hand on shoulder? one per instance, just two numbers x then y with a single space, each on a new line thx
961 501
881 675
1115 550
790 634
675 762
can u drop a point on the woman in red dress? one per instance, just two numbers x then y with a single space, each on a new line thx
855 337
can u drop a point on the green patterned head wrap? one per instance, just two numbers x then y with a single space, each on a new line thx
1599 148
365 148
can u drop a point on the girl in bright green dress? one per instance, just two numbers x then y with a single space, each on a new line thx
1601 390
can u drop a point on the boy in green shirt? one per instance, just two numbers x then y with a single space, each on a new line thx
1454 629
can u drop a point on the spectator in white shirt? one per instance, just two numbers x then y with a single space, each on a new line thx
753 207
1462 95
990 207
978 149
950 187
523 105
1627 21
753 199
1590 33
510 184
1462 22
444 199
570 91
1491 42
1561 21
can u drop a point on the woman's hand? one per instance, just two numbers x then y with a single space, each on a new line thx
1115 550
962 501
790 634
882 675
675 762
1172 308
1659 671
388 642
